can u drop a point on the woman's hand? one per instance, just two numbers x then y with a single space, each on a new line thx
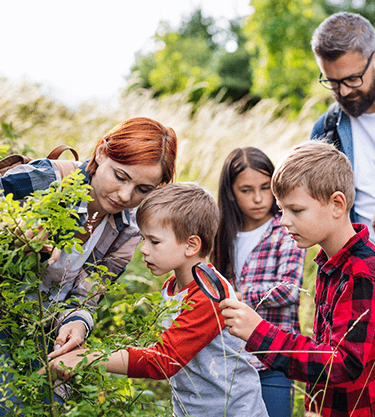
40 236
55 255
240 318
71 335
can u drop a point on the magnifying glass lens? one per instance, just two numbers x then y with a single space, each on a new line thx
207 283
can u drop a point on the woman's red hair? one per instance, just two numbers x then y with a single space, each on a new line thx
141 141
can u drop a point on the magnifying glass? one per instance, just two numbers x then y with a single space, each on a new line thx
208 282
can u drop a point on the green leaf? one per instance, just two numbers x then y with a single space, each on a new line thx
102 369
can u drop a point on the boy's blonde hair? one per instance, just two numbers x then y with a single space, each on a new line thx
187 208
319 167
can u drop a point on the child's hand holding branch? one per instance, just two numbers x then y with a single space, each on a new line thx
240 318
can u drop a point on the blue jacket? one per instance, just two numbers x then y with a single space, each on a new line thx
344 130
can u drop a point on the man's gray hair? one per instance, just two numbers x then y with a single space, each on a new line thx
343 32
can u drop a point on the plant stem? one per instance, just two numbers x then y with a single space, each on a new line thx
45 353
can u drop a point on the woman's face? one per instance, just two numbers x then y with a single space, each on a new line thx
117 187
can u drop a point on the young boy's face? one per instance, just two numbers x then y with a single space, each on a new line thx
308 221
162 253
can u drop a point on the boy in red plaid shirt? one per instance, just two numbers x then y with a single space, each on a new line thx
314 187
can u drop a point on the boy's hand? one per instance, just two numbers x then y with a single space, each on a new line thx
239 295
240 318
70 360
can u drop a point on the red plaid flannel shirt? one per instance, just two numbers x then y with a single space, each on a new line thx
340 358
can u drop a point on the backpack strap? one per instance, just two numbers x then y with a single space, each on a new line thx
330 125
55 153
65 166
14 160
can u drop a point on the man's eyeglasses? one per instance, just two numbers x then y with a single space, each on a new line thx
354 81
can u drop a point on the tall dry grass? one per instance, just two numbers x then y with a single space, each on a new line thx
205 139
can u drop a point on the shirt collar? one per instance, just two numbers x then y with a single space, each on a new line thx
361 238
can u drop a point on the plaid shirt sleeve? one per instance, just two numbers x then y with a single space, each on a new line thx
274 272
24 179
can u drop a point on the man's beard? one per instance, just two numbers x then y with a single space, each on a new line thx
357 107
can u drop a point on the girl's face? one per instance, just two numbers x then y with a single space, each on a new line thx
252 191
117 187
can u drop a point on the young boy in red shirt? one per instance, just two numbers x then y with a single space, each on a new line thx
207 371
314 187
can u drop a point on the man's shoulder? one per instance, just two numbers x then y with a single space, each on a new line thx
334 114
318 128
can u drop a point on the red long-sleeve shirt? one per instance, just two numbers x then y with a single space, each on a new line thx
207 368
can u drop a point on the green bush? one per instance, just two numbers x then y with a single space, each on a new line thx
25 313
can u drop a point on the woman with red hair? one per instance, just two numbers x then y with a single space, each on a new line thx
127 164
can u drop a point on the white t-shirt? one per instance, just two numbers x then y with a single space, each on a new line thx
245 243
363 131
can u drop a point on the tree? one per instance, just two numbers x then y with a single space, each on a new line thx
184 58
366 8
234 67
194 57
199 27
279 34
181 63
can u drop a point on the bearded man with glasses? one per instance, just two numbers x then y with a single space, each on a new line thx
344 46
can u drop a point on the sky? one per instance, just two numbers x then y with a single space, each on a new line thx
80 50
